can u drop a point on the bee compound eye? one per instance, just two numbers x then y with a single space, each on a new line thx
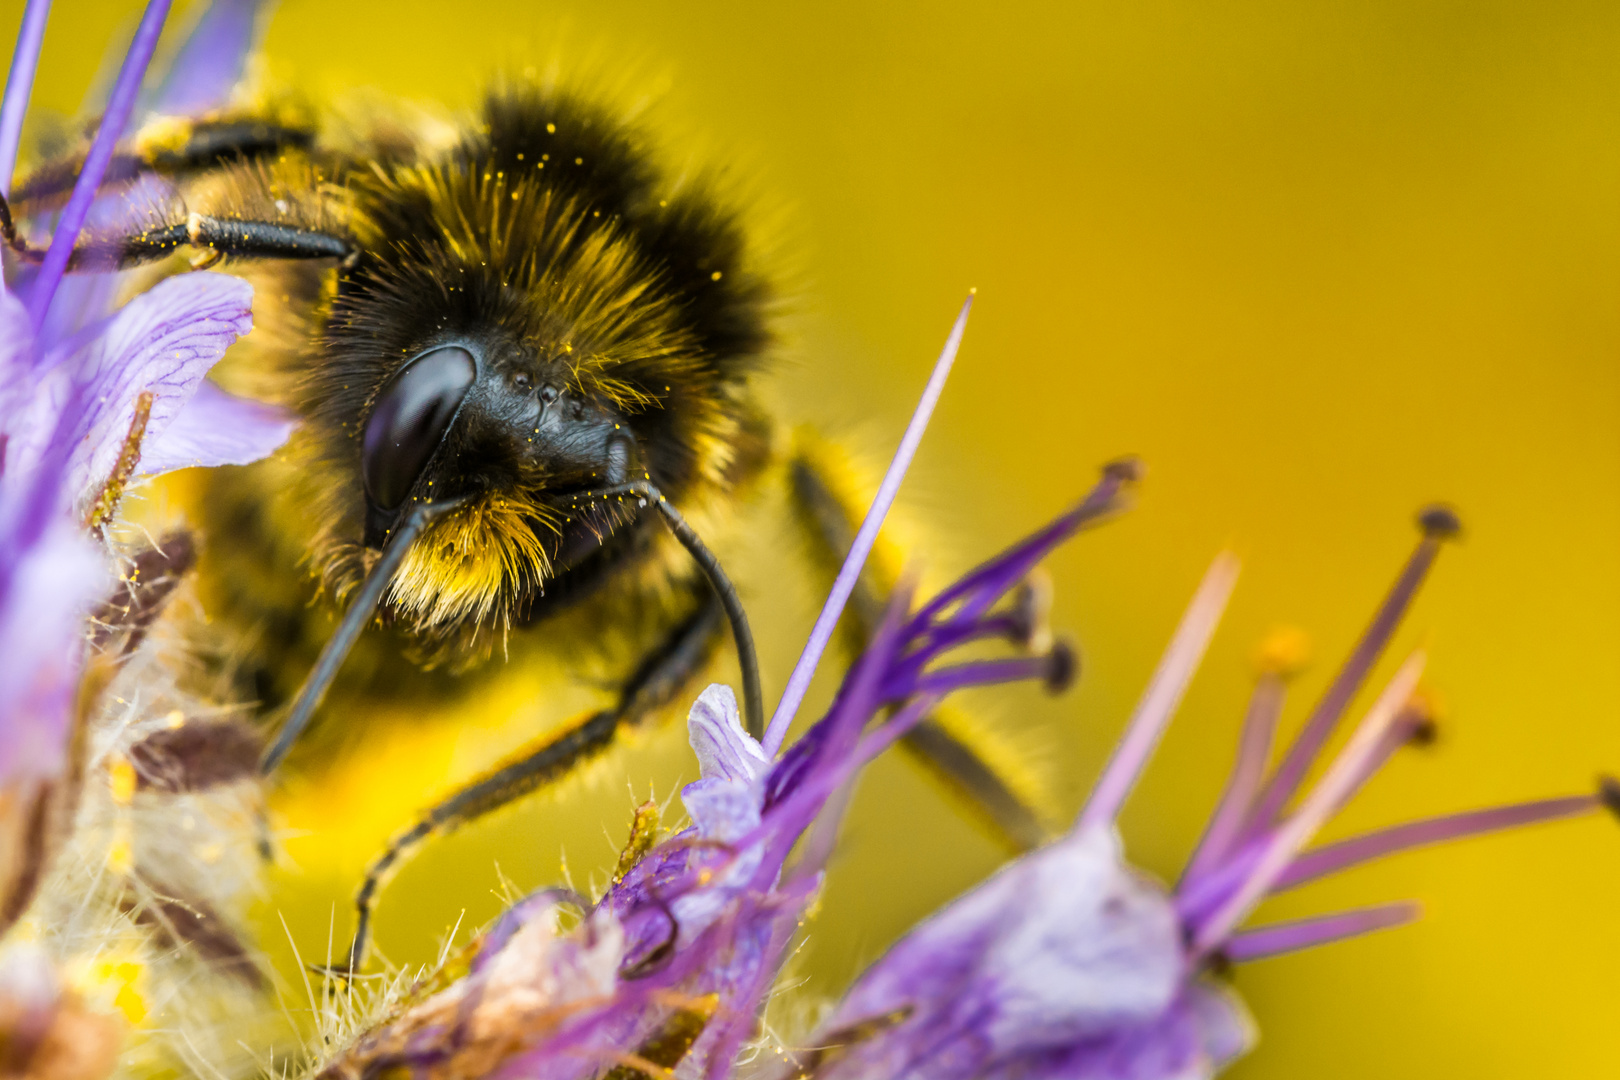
409 421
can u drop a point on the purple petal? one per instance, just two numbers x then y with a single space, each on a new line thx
1205 1028
209 65
216 428
165 340
52 583
1061 947
820 634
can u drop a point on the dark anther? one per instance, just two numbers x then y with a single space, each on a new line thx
548 394
196 755
1062 667
1608 794
1126 470
1032 606
1439 522
1426 732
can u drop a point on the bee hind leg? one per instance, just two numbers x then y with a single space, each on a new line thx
964 756
663 675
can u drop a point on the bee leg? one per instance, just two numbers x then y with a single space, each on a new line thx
176 147
662 676
826 504
218 237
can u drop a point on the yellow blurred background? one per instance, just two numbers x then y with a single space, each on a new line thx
1318 263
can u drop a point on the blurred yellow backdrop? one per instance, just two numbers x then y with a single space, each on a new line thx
1318 263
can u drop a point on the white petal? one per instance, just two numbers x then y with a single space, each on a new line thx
724 750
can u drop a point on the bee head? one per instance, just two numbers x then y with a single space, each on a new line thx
464 420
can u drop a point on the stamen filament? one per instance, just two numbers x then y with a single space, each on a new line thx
113 121
1292 834
1290 937
974 673
1254 746
849 573
1163 693
1438 525
1415 718
1347 853
987 583
19 87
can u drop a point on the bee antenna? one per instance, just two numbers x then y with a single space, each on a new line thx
354 621
747 658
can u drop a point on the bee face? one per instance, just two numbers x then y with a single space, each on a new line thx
466 419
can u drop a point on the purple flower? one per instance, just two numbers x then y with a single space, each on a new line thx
694 933
89 401
1069 963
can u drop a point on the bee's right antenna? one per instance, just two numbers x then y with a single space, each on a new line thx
348 631
747 658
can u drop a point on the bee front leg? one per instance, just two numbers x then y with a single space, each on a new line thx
664 675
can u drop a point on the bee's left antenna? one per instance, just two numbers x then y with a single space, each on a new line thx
348 631
747 657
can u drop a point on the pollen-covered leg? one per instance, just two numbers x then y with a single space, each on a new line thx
959 751
665 674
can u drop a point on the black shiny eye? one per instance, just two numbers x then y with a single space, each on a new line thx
412 415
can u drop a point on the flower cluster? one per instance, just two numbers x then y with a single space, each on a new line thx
94 395
1067 963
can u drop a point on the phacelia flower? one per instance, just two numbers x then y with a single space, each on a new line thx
670 965
1067 963
93 397
1070 963
92 400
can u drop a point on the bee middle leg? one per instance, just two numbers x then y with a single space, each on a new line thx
666 670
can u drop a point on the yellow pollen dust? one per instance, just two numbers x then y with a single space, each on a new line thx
121 781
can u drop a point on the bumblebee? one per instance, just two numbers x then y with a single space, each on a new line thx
516 349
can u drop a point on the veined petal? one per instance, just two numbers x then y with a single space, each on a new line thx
725 751
163 341
16 361
217 428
